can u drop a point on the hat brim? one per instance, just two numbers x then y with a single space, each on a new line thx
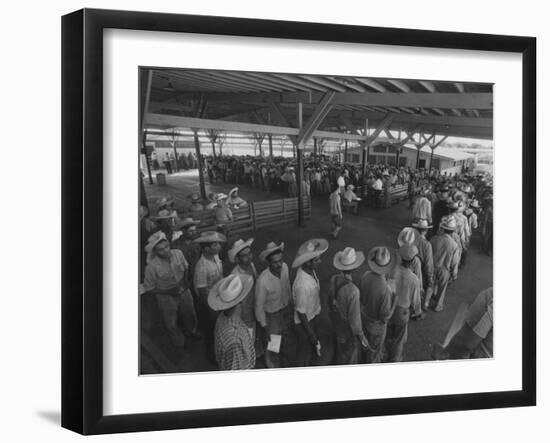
232 253
183 224
219 238
359 260
217 304
447 227
310 255
382 270
417 226
267 252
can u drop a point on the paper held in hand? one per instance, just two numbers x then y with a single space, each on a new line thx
274 344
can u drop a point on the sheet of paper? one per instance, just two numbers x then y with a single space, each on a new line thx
274 344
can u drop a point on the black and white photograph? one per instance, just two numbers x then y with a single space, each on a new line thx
294 220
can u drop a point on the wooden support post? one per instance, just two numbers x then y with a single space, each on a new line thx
315 148
147 158
418 148
300 170
175 152
143 133
345 151
397 149
431 159
270 139
199 164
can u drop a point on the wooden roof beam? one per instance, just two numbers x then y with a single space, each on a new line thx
401 85
372 84
429 86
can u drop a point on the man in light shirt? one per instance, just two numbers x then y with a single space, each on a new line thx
335 211
422 208
307 302
272 303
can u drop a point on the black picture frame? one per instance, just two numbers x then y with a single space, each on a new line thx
82 218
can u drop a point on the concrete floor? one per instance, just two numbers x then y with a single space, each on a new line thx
373 227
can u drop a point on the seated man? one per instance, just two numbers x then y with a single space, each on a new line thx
224 216
350 199
234 201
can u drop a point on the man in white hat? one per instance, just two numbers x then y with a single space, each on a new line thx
345 307
425 254
165 277
208 271
233 345
446 258
241 254
406 237
234 201
224 216
307 301
351 198
407 293
273 311
422 207
377 300
335 211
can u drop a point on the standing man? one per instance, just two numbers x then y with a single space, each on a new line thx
446 258
407 292
234 348
345 307
272 304
440 207
335 211
186 244
165 277
425 254
208 272
377 300
241 255
422 207
307 301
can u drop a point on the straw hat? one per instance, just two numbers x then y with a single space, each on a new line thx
188 221
408 252
210 237
229 292
164 214
406 237
164 201
309 250
238 246
270 249
421 223
448 223
154 240
381 260
221 196
348 259
195 197
235 189
350 187
474 204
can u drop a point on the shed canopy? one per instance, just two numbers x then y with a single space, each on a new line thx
332 106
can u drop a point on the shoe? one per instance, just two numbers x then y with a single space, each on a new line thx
438 308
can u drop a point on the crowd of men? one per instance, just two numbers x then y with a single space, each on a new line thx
276 315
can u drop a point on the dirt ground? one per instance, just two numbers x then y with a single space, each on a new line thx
372 227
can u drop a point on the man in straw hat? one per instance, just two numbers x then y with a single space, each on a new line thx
407 294
422 207
335 211
377 300
208 271
233 345
273 311
196 205
224 216
241 254
351 198
345 307
425 254
234 201
406 237
165 277
446 258
307 301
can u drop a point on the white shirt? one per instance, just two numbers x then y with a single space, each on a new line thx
306 295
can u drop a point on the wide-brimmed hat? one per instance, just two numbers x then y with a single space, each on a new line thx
453 205
164 201
309 250
421 223
474 204
407 236
238 246
407 252
164 214
350 187
381 260
229 291
270 249
154 240
195 197
210 237
235 189
221 196
448 223
348 259
187 221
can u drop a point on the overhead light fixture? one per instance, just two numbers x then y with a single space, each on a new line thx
169 87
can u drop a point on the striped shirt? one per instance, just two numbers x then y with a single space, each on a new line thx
233 345
248 302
